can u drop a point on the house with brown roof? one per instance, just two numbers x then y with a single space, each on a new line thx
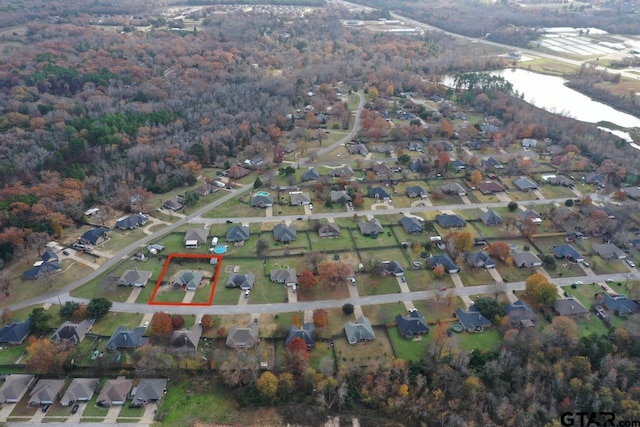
46 392
114 392
186 338
489 187
329 229
569 307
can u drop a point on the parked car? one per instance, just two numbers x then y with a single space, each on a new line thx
65 252
631 263
229 221
45 408
75 408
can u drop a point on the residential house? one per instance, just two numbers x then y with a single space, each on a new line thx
618 304
188 279
238 172
560 180
416 191
480 259
596 178
378 193
567 252
493 120
243 338
489 187
393 268
472 320
284 233
47 265
15 386
290 147
414 146
411 224
45 392
306 333
360 149
529 143
525 184
284 275
476 144
381 169
340 196
359 331
95 236
453 188
416 165
490 218
255 162
127 339
345 171
384 148
261 201
114 392
442 259
131 222
175 203
531 216
72 332
135 278
298 198
412 325
329 229
242 281
569 307
525 260
205 189
492 163
609 251
520 314
442 146
450 221
459 164
15 332
371 227
194 237
631 192
238 234
186 338
80 390
310 175
150 390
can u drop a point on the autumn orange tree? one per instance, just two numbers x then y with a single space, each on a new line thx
307 280
476 177
207 322
438 271
543 292
334 274
499 250
267 385
161 326
320 318
297 355
46 357
177 322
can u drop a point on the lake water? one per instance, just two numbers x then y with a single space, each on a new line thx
550 93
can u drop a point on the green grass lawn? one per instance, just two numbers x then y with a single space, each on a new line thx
383 314
374 285
475 276
513 274
372 353
590 324
600 266
488 340
331 243
129 412
556 192
322 358
237 207
108 324
408 349
92 412
423 280
225 296
9 354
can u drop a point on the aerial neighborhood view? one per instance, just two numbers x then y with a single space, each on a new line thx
320 213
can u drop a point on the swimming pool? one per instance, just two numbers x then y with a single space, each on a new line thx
262 193
220 249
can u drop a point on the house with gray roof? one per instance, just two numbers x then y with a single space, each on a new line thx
114 392
609 251
345 171
371 227
631 192
310 175
243 338
131 222
472 320
491 163
411 224
41 269
261 201
560 180
80 390
284 233
127 339
393 268
416 165
72 332
188 279
442 259
520 313
480 259
94 236
378 193
242 281
197 235
416 191
186 338
530 215
450 221
305 333
596 178
339 196
15 332
298 198
359 331
525 184
529 143
567 252
618 304
329 229
175 203
286 276
453 188
381 169
412 325
569 306
490 218
205 189
135 278
360 149
46 392
459 164
14 387
526 260
237 234
150 390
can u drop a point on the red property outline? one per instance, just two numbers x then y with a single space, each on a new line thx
214 281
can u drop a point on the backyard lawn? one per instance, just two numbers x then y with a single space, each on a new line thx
490 339
108 324
371 353
408 349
